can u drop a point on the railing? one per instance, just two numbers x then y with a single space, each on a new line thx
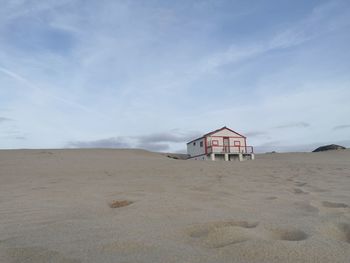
230 149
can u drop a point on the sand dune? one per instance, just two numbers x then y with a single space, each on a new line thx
136 206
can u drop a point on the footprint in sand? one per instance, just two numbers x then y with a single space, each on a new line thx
339 231
318 190
287 234
271 198
222 234
299 191
120 203
35 255
334 205
300 184
306 207
125 247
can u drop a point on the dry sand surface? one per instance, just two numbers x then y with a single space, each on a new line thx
136 206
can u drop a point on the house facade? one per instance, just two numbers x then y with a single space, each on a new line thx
222 144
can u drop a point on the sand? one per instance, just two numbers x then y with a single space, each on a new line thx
57 206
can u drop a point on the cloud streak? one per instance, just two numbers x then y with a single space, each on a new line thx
153 142
293 125
341 127
4 119
281 146
156 146
256 134
314 25
167 137
113 142
28 84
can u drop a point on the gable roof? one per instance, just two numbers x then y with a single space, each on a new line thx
223 128
213 132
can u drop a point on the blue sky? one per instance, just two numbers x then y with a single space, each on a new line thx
154 74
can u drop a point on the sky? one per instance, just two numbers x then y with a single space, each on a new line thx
156 74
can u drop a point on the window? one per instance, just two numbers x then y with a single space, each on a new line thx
194 143
237 143
201 144
215 142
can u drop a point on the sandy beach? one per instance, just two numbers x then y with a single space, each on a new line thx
57 206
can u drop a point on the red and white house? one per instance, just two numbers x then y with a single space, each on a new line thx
222 144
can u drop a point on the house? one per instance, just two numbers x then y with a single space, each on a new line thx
222 144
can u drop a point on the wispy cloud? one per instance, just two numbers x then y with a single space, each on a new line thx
46 93
113 142
9 130
167 137
18 8
256 134
341 127
293 125
4 119
119 143
20 138
320 21
161 141
282 146
153 142
156 147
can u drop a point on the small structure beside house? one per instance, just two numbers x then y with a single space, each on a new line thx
222 144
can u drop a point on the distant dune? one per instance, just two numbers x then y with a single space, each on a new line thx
102 205
330 147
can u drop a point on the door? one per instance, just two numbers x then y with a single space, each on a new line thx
237 145
226 144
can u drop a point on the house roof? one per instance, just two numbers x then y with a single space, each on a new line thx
212 132
223 128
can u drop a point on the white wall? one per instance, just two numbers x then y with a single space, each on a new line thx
194 148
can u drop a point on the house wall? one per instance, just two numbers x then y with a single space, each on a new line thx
233 137
194 148
221 140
